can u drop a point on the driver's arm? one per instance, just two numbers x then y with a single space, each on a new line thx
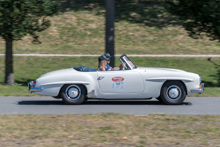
110 69
116 68
120 67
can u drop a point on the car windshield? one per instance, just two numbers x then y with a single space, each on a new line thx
127 61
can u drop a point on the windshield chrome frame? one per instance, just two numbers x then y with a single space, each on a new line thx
126 61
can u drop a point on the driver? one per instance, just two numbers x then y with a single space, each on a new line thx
107 57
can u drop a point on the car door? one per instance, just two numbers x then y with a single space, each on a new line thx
121 81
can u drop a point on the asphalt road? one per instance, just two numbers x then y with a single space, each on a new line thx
49 105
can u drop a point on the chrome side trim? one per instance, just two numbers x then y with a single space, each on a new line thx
199 91
66 82
170 78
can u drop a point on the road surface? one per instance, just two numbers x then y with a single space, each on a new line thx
49 105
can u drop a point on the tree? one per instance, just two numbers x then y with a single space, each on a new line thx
199 16
19 18
110 29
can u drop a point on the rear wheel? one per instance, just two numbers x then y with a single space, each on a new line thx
159 99
73 94
173 93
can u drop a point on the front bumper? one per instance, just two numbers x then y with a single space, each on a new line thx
32 88
199 91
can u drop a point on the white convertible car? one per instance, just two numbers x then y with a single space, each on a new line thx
75 85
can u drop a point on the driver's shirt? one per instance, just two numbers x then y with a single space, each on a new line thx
107 67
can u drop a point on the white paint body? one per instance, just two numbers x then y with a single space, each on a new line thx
141 82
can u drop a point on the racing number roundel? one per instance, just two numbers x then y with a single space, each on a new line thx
118 79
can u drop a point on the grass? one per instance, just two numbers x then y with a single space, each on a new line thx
109 130
141 28
30 68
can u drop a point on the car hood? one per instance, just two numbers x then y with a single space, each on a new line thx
58 72
160 69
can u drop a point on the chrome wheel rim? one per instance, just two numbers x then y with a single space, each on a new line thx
174 92
73 92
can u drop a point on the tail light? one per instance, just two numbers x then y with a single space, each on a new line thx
34 83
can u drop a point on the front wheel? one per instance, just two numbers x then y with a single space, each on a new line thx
173 93
73 94
56 97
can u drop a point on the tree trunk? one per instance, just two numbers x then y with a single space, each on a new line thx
109 30
9 75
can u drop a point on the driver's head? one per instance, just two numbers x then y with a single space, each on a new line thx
106 57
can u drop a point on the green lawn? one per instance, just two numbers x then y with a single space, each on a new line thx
30 68
109 130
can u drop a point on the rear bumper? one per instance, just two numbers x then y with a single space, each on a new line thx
199 91
32 88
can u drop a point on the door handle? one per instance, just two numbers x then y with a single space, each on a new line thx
99 78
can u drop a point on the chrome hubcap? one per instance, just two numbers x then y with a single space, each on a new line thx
73 92
174 92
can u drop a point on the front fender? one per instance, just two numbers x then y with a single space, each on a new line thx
53 83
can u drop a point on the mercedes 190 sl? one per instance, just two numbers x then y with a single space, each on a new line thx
76 85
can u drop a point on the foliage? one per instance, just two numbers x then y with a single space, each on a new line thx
79 29
21 17
200 16
148 12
